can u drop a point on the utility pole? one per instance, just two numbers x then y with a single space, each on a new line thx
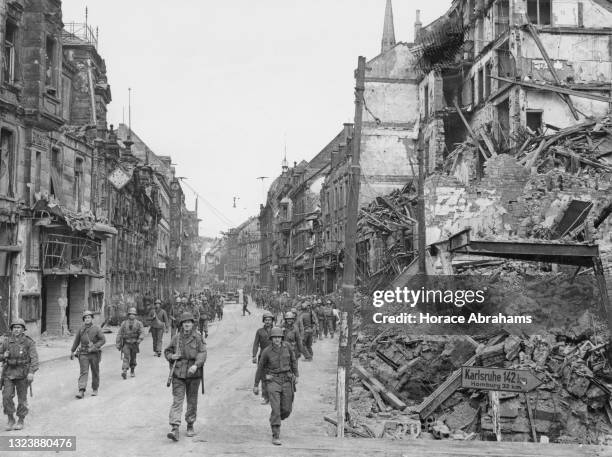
422 246
350 249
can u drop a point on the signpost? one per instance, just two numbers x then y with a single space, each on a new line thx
499 379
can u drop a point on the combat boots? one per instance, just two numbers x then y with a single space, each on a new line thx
276 435
132 374
11 422
190 430
19 424
124 374
174 433
81 394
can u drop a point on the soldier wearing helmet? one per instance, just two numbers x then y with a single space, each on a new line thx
307 324
20 361
158 323
293 337
262 341
89 341
130 335
278 365
188 349
179 307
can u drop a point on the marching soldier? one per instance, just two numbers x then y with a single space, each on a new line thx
130 335
20 362
186 354
279 367
307 324
262 341
204 311
158 324
293 338
179 307
89 341
320 312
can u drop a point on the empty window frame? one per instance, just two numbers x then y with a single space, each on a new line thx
539 11
78 183
534 120
50 65
9 58
7 163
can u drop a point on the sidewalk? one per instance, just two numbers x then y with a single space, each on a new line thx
52 348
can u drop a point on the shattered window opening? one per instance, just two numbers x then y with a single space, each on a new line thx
539 11
8 63
7 163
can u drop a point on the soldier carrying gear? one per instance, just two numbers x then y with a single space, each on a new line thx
262 341
130 335
279 367
307 324
188 349
20 361
293 338
89 341
158 324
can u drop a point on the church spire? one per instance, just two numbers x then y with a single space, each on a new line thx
388 38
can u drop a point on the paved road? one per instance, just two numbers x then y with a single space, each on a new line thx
130 417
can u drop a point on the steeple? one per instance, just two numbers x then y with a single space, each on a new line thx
388 38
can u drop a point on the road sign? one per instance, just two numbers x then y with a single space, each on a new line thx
498 379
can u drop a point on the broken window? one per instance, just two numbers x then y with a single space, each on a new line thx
55 175
7 163
66 96
534 120
502 19
8 62
78 183
539 11
473 90
29 307
50 68
487 79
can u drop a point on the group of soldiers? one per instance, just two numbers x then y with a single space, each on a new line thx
186 354
277 349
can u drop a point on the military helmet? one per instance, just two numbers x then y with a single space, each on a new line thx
289 315
276 331
158 301
132 310
186 317
267 315
305 305
18 322
87 313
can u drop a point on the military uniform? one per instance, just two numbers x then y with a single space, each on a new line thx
158 323
204 310
293 339
307 323
89 340
192 349
279 367
175 315
262 341
130 335
20 359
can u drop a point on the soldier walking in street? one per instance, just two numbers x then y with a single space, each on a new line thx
158 324
186 355
307 324
89 341
292 335
205 314
20 361
262 341
130 335
278 365
245 303
179 307
320 312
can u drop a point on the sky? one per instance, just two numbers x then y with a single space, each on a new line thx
222 86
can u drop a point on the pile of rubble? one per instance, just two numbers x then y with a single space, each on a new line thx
401 381
390 220
584 145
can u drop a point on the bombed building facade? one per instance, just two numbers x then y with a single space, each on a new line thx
84 218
